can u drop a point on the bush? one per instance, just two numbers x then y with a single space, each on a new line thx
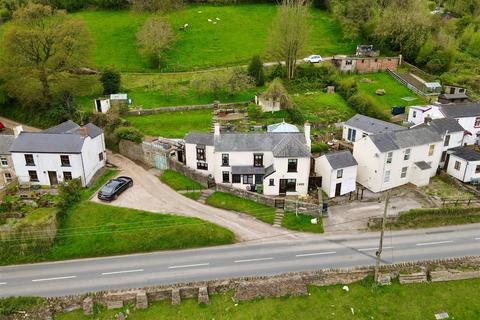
69 194
156 5
364 104
11 305
111 4
277 72
347 88
309 76
111 81
129 133
295 115
319 147
255 70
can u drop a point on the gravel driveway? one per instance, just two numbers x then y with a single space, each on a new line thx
150 194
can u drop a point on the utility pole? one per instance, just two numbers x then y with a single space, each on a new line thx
382 232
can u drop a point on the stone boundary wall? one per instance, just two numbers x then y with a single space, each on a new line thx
131 150
142 112
248 288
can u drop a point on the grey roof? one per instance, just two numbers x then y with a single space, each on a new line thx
341 159
443 125
269 170
372 125
199 138
422 165
71 127
394 140
248 170
41 142
462 95
465 153
281 144
6 141
461 110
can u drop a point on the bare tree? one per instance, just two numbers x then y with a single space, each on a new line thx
154 38
289 33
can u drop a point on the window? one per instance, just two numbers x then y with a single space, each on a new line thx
3 161
33 175
389 157
477 169
406 156
447 140
248 179
67 175
414 114
364 135
100 156
225 160
431 149
477 122
200 153
271 182
292 165
202 166
29 160
258 160
225 176
259 179
236 178
404 172
444 156
65 161
457 165
348 62
461 90
386 177
351 134
8 177
339 173
291 185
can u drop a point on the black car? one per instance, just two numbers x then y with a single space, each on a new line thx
113 188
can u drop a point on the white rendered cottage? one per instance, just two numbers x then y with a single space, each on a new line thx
278 163
391 159
338 171
61 153
360 126
463 163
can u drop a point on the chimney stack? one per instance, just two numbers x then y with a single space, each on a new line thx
216 129
82 131
17 130
307 133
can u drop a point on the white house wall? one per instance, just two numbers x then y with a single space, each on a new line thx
281 172
90 154
329 177
420 115
358 135
191 158
466 171
469 125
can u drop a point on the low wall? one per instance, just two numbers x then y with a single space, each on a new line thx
142 112
190 173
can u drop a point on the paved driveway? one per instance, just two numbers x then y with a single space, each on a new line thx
150 194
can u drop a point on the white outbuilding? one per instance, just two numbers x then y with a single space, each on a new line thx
101 105
338 171
463 163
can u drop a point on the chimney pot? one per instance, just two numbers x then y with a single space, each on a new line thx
82 131
216 129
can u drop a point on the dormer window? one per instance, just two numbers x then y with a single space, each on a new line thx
201 153
258 160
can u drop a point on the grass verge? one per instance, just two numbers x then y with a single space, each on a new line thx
192 195
178 181
234 203
301 222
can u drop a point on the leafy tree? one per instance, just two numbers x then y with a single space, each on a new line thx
295 116
41 44
366 105
209 83
111 81
289 33
255 70
277 72
69 194
154 38
357 17
238 81
129 133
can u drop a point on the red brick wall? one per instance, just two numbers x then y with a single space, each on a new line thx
375 64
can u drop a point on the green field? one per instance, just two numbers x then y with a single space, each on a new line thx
396 302
172 124
322 107
241 32
178 181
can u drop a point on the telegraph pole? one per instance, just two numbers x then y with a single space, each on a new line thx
382 232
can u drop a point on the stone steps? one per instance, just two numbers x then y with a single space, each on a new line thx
204 195
277 222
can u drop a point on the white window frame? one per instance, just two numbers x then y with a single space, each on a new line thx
389 157
403 174
406 156
4 161
386 176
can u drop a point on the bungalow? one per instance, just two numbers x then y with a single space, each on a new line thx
58 154
277 163
360 126
391 159
338 172
7 173
464 164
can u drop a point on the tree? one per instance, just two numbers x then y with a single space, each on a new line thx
288 36
154 38
41 44
111 81
255 70
277 92
238 81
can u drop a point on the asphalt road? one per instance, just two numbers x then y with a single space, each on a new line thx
246 259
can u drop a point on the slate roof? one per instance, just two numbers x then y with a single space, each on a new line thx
269 170
465 153
199 138
71 127
422 165
341 159
6 142
394 140
41 142
247 170
461 110
372 125
443 125
453 96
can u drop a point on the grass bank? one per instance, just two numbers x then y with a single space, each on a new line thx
301 223
178 181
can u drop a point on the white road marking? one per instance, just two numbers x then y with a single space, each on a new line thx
373 249
189 266
315 254
124 271
252 260
477 238
433 243
50 279
2 283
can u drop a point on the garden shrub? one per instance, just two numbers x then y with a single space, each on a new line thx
366 105
347 88
295 115
319 147
129 133
255 70
111 81
69 194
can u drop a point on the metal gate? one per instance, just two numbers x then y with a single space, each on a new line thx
160 162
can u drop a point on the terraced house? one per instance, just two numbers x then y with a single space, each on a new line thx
275 163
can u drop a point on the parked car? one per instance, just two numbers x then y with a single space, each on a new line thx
113 188
314 58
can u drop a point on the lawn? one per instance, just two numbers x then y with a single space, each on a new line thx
395 302
178 181
301 222
172 124
444 188
394 90
192 195
234 203
322 107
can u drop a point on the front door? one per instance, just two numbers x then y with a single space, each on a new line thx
283 186
52 176
338 189
447 159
